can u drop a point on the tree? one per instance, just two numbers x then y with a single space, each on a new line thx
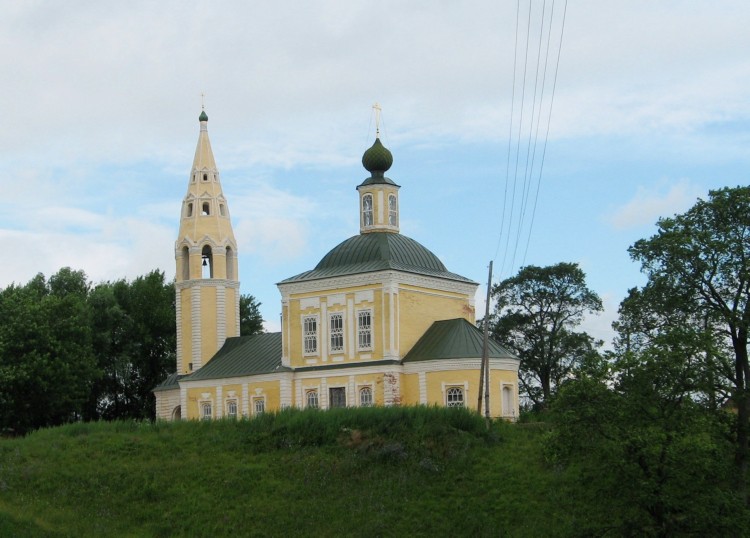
645 457
47 365
703 257
251 320
535 316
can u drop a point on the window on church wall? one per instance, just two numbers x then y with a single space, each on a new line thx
364 330
508 407
310 335
311 399
206 411
222 210
206 211
230 263
232 408
392 210
337 397
367 215
189 211
454 397
185 260
365 397
207 262
205 177
259 406
337 333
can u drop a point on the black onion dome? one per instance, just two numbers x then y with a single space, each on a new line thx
378 251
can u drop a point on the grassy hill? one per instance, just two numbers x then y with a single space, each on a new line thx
379 472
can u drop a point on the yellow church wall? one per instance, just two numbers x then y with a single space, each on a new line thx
418 309
315 304
231 311
410 389
208 319
270 390
186 340
437 382
197 396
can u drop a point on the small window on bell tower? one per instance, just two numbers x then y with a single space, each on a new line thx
207 263
392 210
206 209
205 177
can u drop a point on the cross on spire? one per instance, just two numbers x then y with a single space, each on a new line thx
203 104
377 110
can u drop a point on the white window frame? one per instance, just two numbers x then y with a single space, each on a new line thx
207 412
231 403
510 411
309 395
362 390
453 389
310 336
361 332
336 333
368 213
392 210
259 405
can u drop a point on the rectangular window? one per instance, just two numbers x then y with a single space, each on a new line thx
337 333
259 405
364 330
392 211
310 335
232 408
337 397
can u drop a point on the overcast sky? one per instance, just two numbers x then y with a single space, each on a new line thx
100 104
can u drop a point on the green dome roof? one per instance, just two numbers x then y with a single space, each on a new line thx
378 158
203 116
378 251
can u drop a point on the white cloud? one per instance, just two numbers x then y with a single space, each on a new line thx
650 203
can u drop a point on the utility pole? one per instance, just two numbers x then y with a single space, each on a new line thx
484 369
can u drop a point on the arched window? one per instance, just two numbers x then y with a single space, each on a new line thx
206 209
259 406
207 263
222 210
392 210
177 413
365 397
206 413
232 408
508 408
230 264
205 177
367 217
190 209
312 398
454 397
185 259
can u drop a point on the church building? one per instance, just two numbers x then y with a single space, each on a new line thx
378 321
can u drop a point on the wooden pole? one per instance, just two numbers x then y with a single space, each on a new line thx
484 377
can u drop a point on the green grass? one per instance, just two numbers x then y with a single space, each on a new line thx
400 471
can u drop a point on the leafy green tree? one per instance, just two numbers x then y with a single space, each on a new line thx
649 459
134 344
251 320
47 366
535 316
703 258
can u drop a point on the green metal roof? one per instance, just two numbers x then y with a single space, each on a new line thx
171 382
243 355
378 251
454 339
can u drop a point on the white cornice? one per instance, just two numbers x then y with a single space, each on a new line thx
442 365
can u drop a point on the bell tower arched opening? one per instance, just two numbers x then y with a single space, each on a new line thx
207 264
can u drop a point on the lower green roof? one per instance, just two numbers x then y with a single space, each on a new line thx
243 355
454 339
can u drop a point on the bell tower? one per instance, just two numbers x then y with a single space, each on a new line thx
206 285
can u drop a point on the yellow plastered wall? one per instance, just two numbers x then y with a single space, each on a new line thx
187 330
410 389
208 323
419 308
270 390
231 301
352 384
195 396
292 325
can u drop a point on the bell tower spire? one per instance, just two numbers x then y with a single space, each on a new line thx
207 285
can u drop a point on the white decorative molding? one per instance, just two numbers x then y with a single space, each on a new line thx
336 299
443 365
364 296
207 282
309 302
195 327
423 388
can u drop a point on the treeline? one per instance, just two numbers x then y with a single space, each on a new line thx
70 350
656 429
